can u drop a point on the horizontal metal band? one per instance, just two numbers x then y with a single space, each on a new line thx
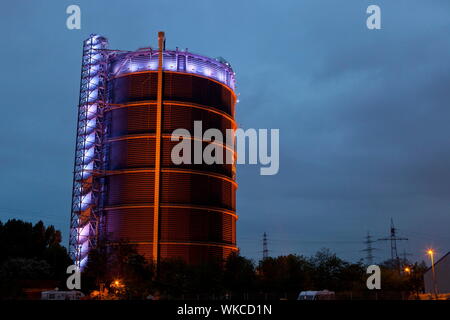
190 243
174 205
174 103
167 170
168 136
177 72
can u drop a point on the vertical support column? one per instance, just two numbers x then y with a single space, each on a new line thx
159 103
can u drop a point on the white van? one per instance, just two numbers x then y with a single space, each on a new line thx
316 295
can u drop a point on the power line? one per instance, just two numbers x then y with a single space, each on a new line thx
393 239
405 256
265 247
369 248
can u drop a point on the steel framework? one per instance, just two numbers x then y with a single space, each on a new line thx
86 191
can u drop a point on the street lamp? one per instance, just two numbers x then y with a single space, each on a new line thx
407 270
118 286
431 254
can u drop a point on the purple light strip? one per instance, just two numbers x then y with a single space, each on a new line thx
181 61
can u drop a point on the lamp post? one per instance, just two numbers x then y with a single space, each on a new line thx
431 254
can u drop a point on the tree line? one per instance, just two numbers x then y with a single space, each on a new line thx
238 277
33 252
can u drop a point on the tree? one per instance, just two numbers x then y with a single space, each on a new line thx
34 251
119 262
138 274
285 275
327 269
174 278
239 274
14 271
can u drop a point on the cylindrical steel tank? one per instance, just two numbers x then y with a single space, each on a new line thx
197 206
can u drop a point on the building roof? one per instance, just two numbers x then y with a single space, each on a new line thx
441 259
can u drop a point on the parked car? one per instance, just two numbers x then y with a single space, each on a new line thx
316 295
